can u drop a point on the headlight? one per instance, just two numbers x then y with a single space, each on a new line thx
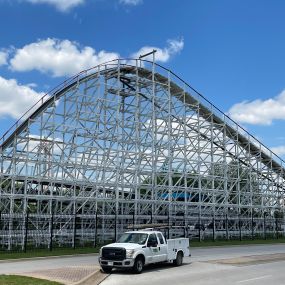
100 252
129 253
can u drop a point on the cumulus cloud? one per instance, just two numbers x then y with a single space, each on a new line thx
279 150
173 47
65 58
58 57
61 5
259 112
15 99
131 2
3 57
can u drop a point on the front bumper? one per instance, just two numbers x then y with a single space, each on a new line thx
126 263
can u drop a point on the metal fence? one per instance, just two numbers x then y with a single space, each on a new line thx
30 232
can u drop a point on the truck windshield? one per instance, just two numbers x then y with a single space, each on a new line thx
138 238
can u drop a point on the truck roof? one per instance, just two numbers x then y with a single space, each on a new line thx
146 231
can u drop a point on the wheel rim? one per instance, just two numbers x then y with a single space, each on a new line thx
139 265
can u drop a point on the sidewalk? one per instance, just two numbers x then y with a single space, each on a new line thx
73 275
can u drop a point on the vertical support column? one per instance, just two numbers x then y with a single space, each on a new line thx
96 226
227 227
199 226
168 228
239 225
169 159
214 228
119 159
51 231
264 225
252 225
115 229
276 227
74 230
26 231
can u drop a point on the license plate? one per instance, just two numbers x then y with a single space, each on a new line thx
110 263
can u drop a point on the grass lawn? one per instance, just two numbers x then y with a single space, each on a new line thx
22 280
46 252
207 243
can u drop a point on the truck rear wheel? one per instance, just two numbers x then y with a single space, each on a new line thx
179 259
107 269
138 265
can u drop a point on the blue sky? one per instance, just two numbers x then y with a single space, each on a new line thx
232 51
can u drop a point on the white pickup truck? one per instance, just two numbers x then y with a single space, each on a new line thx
135 249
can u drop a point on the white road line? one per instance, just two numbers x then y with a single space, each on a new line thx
253 279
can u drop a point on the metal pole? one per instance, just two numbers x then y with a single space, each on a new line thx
252 229
95 232
133 221
74 230
168 221
184 226
227 228
264 225
51 232
276 228
115 230
239 223
26 231
199 227
214 229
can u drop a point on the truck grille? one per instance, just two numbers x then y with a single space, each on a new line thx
113 253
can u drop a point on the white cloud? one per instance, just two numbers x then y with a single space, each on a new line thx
65 58
61 5
58 57
3 57
131 2
15 99
163 55
259 112
279 150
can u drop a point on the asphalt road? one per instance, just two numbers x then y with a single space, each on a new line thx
196 270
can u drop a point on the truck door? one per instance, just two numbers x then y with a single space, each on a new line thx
152 249
162 248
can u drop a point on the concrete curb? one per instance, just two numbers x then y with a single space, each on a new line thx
94 278
46 257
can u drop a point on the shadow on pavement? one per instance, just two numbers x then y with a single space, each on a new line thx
149 268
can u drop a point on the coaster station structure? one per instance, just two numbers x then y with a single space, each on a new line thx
129 142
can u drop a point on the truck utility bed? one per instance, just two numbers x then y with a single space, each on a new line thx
177 244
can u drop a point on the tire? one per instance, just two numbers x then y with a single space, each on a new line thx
138 265
107 269
179 259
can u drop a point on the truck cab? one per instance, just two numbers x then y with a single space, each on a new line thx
135 249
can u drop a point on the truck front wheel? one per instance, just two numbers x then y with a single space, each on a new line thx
107 269
138 265
179 259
